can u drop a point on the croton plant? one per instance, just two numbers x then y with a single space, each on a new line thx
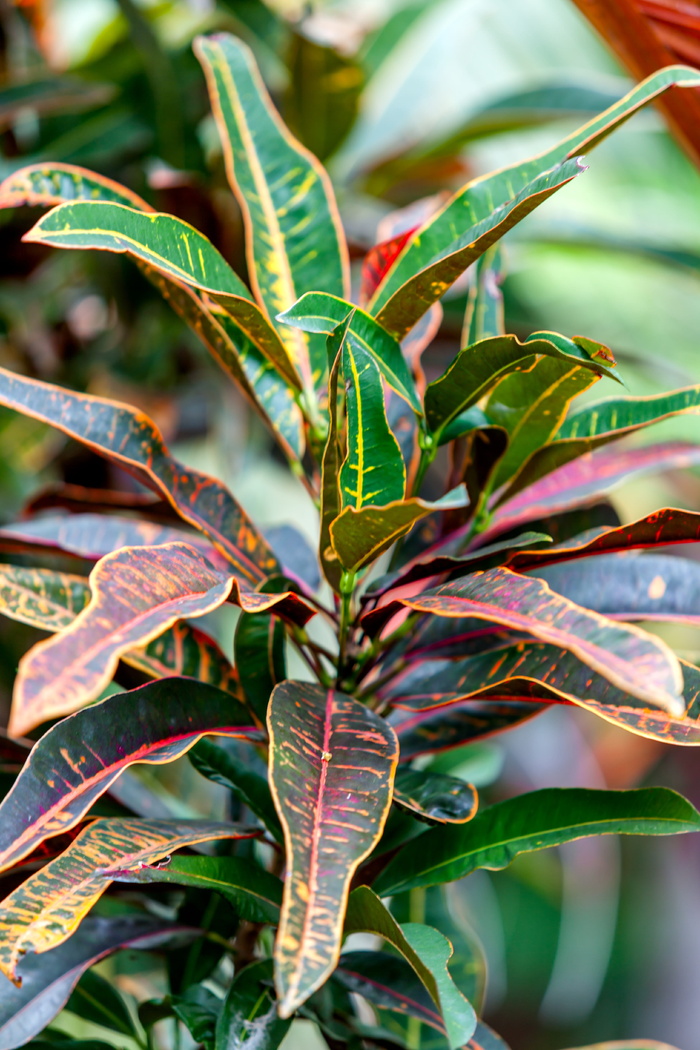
447 604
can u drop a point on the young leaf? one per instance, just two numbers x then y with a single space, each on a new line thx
294 237
632 660
373 472
79 759
426 950
536 820
249 1014
125 436
435 797
332 764
137 593
44 911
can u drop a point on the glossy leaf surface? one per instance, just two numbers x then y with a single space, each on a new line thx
629 658
389 982
78 759
435 797
532 821
332 764
249 1017
49 184
236 772
427 732
44 911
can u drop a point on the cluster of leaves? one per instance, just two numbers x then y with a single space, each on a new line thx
475 622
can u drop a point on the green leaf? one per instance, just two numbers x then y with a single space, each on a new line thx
320 312
332 764
259 655
198 1009
478 368
435 797
78 759
50 184
388 982
373 471
249 1017
95 1000
360 536
255 894
323 96
295 242
484 317
127 437
333 455
216 763
533 821
426 950
44 910
480 213
632 660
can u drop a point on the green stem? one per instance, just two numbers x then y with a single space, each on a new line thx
367 659
347 586
416 913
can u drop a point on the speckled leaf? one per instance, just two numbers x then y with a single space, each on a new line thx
49 184
597 425
373 471
323 313
185 650
532 821
294 237
44 911
632 660
137 593
359 536
332 764
435 797
478 369
79 758
480 213
48 981
426 950
249 1019
127 437
427 732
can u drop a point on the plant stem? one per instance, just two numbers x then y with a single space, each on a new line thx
347 586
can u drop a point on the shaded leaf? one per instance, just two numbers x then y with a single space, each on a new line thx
484 317
427 732
532 821
389 982
426 950
332 764
259 654
294 238
323 97
198 1009
45 910
435 797
94 999
333 455
255 894
219 765
78 759
185 650
249 1017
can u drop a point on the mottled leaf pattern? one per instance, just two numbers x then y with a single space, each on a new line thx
332 764
49 184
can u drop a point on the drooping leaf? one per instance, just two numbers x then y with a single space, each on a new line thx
198 1009
479 214
426 950
49 184
137 593
435 797
255 894
427 732
389 982
78 759
332 764
295 241
359 536
373 471
125 436
626 656
250 1017
532 821
48 981
45 910
478 369
259 655
96 1000
220 765
319 312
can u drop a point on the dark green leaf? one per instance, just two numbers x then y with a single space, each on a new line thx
249 1019
435 797
96 1000
217 763
198 1009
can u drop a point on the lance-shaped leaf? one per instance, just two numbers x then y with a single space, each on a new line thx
360 536
484 317
478 368
173 248
586 479
127 437
435 797
137 593
426 950
295 242
533 821
78 759
258 648
632 660
47 982
627 1044
427 732
226 766
187 651
319 312
255 894
373 471
49 184
597 425
332 764
486 208
249 1015
44 911
333 454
